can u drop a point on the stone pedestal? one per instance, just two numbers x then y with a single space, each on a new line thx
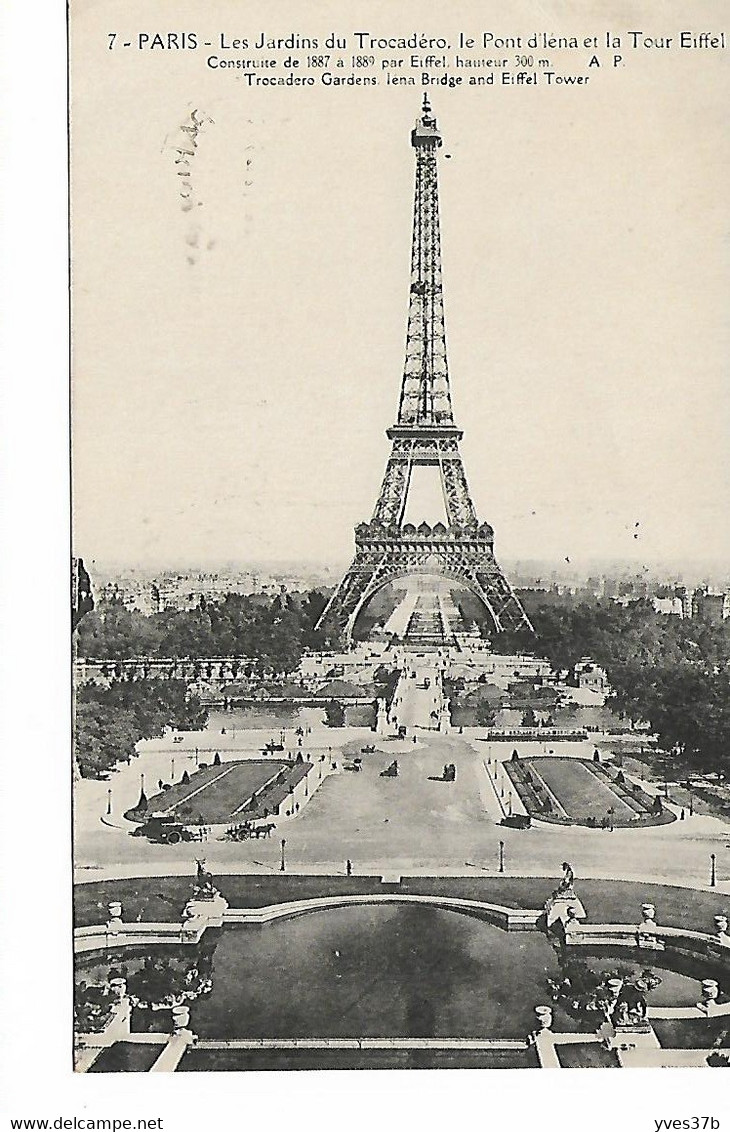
614 987
381 724
710 991
180 1018
567 908
544 1016
114 922
629 1037
118 987
210 910
646 937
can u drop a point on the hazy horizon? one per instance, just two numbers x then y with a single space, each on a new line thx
584 567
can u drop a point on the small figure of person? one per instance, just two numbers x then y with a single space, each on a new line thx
348 867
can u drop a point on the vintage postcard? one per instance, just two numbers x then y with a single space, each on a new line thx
401 573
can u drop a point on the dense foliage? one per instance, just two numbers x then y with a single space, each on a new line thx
110 721
586 993
170 980
386 680
477 707
274 631
334 714
670 672
93 1008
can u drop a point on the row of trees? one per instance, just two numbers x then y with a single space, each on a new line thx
671 672
110 721
274 630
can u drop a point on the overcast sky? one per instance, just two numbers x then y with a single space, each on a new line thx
236 364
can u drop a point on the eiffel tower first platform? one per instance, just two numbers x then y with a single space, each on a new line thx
386 548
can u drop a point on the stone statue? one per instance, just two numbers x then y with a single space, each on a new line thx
203 888
565 888
564 904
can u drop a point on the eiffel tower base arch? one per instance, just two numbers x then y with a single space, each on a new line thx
465 558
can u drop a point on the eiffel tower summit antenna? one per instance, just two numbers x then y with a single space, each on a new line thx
424 434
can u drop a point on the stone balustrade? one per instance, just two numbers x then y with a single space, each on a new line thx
699 946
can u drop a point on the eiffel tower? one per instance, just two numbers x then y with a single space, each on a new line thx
425 434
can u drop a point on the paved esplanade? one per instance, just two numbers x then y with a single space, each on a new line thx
409 824
418 700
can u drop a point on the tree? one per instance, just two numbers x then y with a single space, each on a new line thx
274 632
485 714
110 721
386 681
670 672
334 714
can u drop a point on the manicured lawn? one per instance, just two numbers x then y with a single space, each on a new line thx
127 1057
578 790
586 1055
161 899
690 1033
214 794
179 790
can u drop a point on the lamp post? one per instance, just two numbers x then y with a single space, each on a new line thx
501 856
282 867
172 768
109 801
713 878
